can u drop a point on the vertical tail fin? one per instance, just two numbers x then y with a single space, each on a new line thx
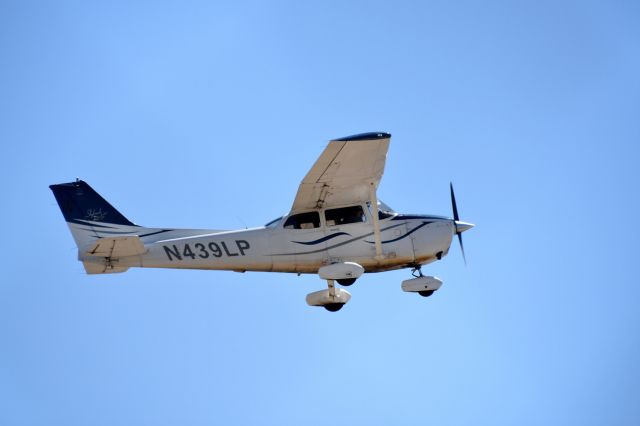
88 215
79 202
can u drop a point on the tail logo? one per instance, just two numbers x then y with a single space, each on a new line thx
95 215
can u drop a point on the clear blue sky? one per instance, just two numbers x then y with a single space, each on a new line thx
206 114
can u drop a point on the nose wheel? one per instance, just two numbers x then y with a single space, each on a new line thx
424 285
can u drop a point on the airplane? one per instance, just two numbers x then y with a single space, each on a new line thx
337 228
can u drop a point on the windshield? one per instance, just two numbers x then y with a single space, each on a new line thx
274 222
384 211
382 206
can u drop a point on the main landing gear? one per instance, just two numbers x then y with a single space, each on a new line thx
333 299
425 286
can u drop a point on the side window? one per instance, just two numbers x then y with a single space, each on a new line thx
308 220
344 215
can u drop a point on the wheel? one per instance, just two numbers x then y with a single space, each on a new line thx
333 307
346 282
426 293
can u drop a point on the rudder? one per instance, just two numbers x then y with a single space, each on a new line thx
88 215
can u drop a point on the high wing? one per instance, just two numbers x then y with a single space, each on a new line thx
345 172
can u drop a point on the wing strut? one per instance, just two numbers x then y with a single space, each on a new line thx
376 222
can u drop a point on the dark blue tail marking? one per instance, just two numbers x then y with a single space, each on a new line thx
78 201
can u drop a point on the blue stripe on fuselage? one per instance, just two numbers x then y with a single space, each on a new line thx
321 240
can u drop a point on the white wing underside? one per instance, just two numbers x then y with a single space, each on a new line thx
345 173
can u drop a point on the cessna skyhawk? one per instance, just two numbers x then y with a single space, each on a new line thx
337 228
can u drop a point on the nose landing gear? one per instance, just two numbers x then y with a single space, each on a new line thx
425 286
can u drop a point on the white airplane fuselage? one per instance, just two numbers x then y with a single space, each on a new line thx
407 240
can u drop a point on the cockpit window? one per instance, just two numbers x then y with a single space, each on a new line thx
384 215
308 220
274 222
384 211
385 207
344 215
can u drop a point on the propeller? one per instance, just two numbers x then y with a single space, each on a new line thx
460 226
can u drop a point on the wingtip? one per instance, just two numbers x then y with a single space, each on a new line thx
364 137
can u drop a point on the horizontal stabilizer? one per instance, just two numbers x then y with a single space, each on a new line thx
102 267
116 247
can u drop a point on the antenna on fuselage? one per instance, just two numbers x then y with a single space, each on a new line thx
242 222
